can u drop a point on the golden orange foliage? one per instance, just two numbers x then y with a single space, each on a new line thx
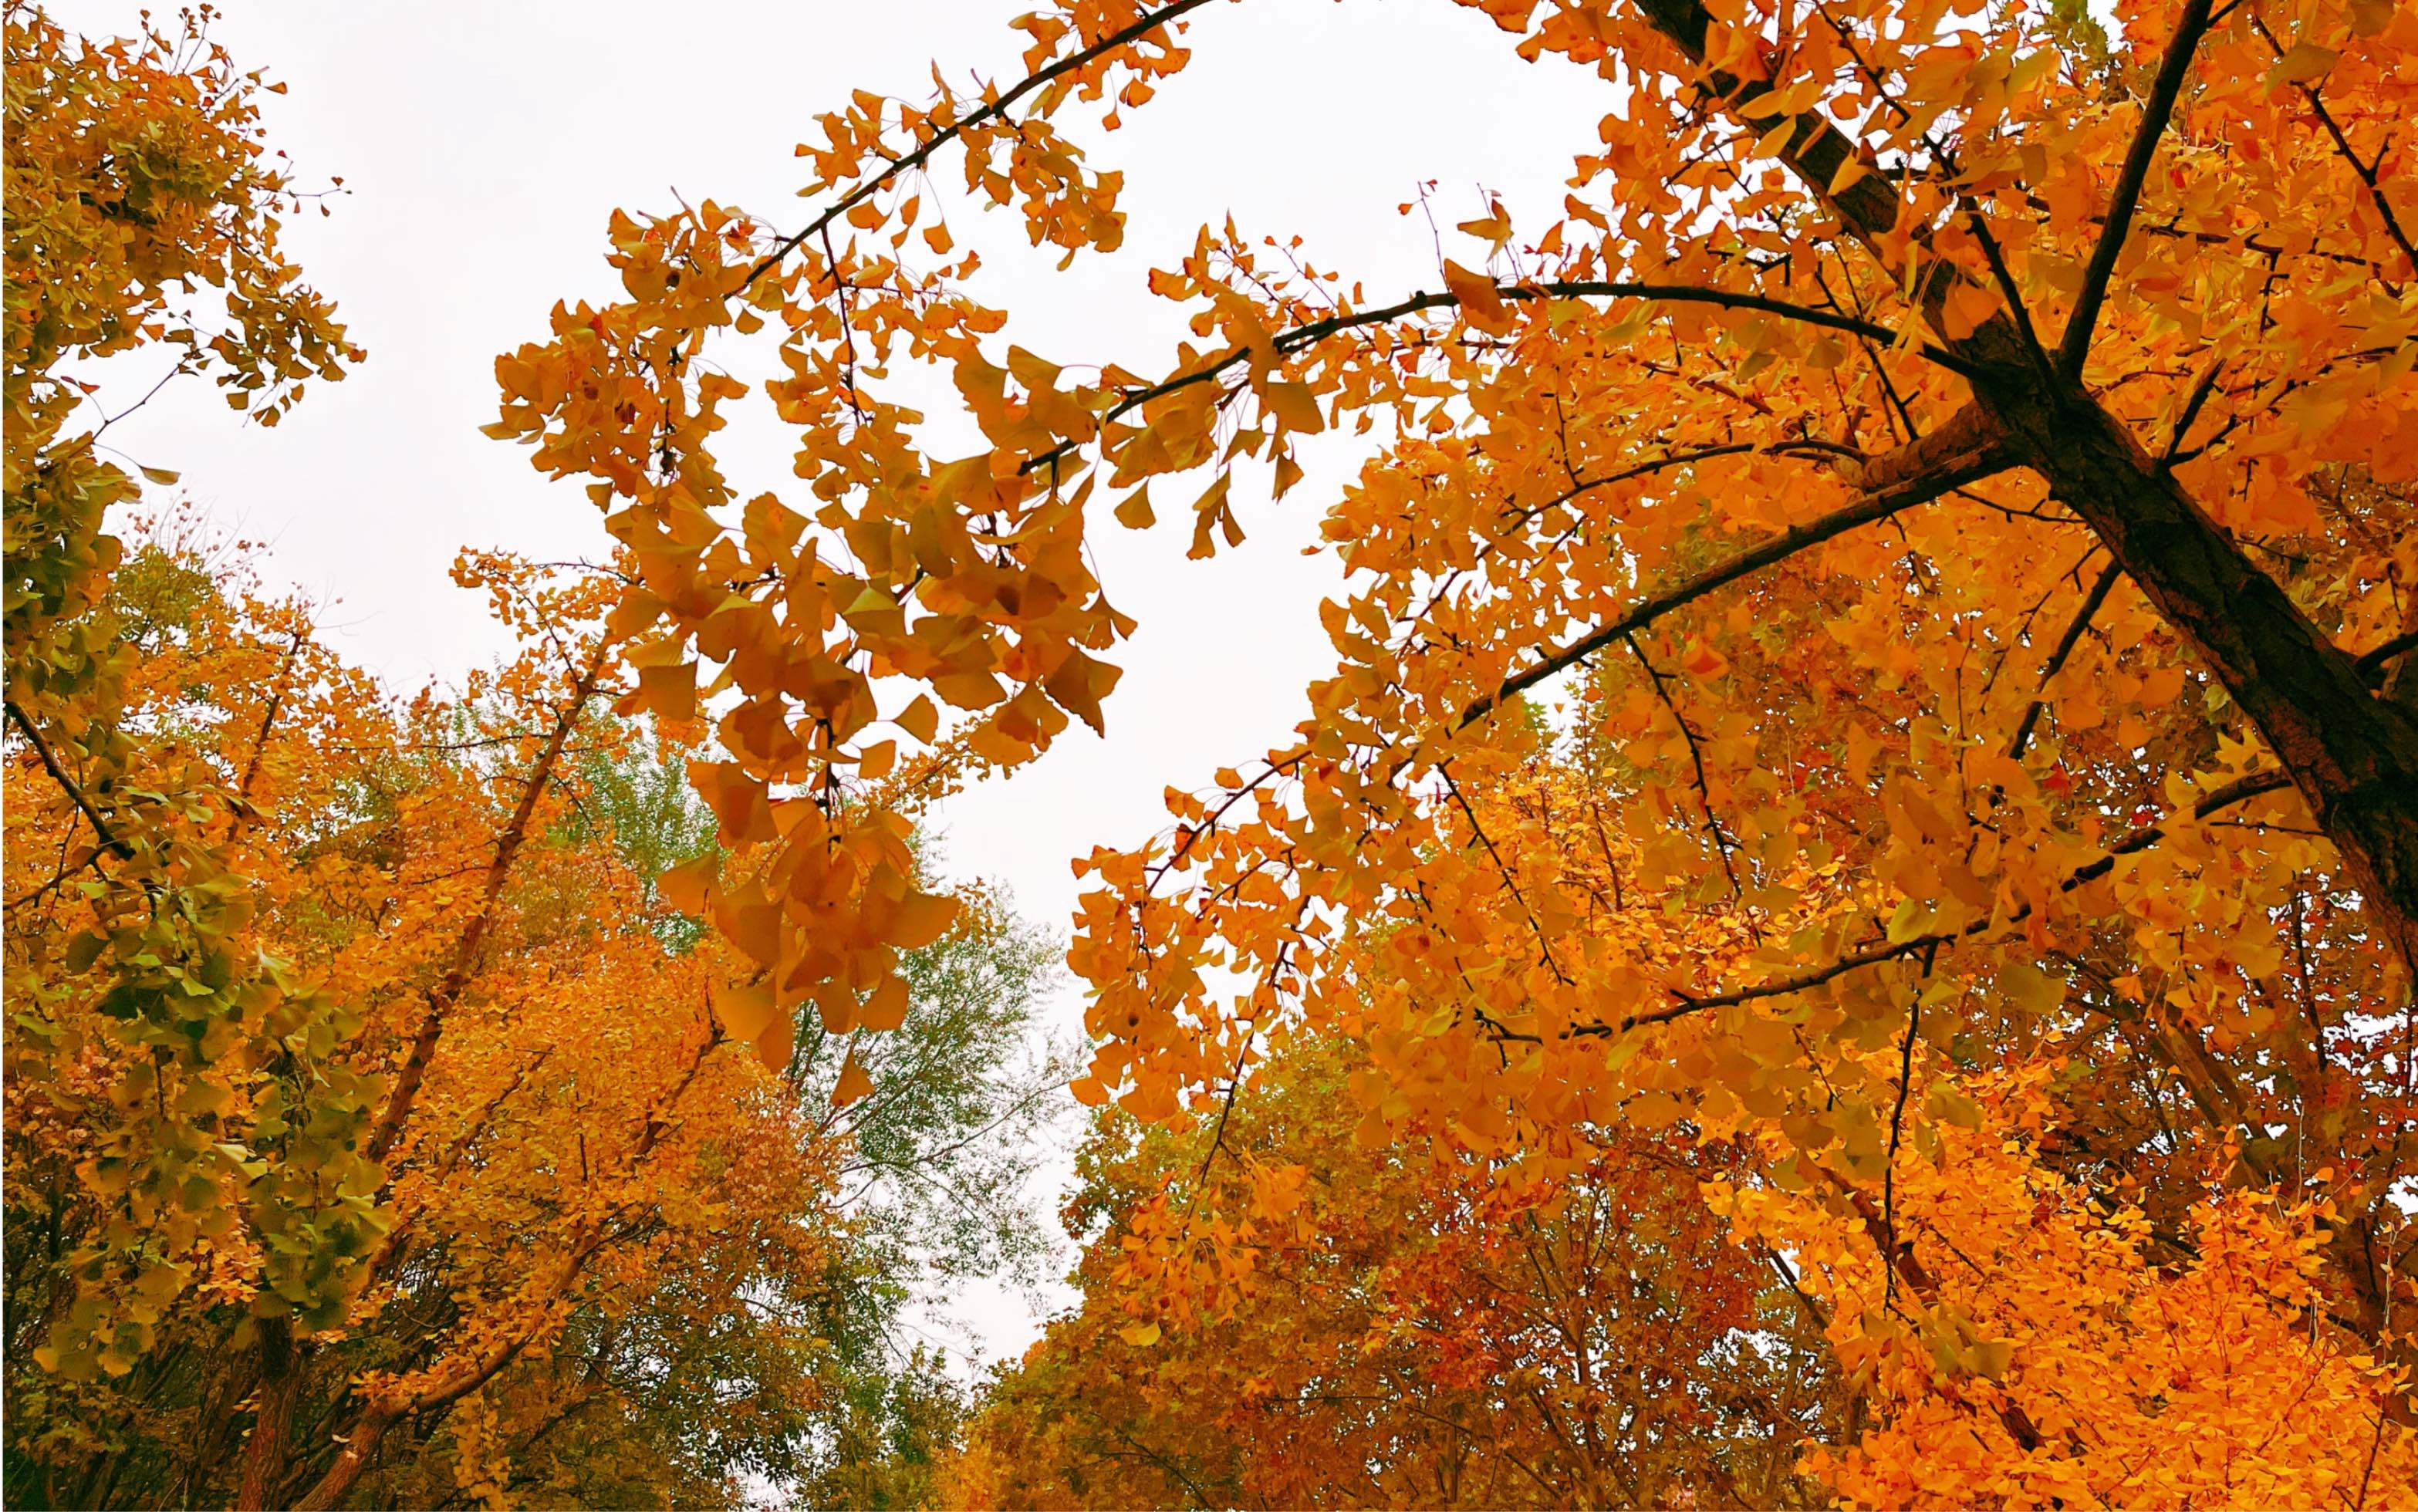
1950 463
1413 1335
2031 1343
377 1131
1875 654
579 1147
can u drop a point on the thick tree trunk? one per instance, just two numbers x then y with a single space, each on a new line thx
2352 753
2350 749
272 1424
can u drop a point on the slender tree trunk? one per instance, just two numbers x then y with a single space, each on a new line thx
380 1414
397 1112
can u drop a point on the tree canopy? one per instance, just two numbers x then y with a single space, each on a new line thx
1843 927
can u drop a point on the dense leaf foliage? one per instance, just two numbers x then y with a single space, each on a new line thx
1417 1335
1843 926
1948 465
376 1133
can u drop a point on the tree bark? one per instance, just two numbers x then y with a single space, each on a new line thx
397 1112
272 1424
2352 753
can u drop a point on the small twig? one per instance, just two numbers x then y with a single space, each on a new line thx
1721 842
2056 663
1897 1115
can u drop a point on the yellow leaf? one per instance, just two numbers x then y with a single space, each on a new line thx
1135 512
669 691
1652 1111
1293 405
1968 306
835 1004
852 1085
1992 1356
1078 683
1862 746
736 798
1140 1335
2305 63
744 1008
921 919
686 886
1288 474
779 1042
1911 918
873 762
2031 989
919 719
1775 142
887 1008
1208 511
1495 230
201 1097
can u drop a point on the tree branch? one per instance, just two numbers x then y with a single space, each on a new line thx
2238 791
457 976
2155 113
1139 28
2056 663
109 839
2370 175
2370 663
1965 450
1289 342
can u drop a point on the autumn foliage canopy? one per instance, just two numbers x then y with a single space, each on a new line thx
1841 930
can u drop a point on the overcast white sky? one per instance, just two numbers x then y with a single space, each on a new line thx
483 147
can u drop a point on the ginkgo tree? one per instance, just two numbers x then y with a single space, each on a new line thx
376 1132
1280 1308
1874 658
1420 1334
1955 460
594 1210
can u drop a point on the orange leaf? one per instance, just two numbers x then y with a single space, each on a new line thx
1480 299
887 1008
852 1085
